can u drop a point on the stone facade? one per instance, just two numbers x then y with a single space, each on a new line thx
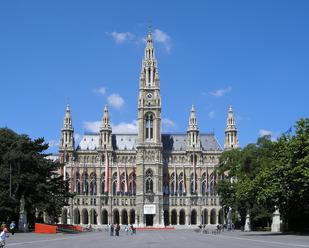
148 178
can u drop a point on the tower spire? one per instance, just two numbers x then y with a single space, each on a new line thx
231 138
105 140
149 100
193 130
67 132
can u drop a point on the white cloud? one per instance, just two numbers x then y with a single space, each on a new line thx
53 143
167 123
264 132
163 38
124 127
101 90
212 114
221 92
115 100
92 126
120 37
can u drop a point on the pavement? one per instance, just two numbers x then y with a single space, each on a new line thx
153 239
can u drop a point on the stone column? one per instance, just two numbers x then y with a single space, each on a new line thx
208 217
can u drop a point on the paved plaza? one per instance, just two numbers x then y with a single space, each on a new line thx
152 239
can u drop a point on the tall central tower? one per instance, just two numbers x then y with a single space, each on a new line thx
149 99
149 146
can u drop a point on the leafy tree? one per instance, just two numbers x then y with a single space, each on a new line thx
32 175
239 168
268 175
285 183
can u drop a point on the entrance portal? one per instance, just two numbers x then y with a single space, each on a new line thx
149 219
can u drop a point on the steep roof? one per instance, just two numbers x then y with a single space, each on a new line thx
171 142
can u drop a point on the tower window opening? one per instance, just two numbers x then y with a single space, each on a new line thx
149 127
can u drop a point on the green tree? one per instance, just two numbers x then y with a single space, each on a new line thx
285 182
239 168
25 170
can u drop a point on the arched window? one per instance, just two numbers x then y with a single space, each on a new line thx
193 183
212 184
204 184
115 181
85 183
181 189
93 184
123 183
149 126
132 184
77 183
173 183
103 183
149 181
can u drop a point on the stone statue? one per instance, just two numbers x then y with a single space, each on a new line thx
22 223
276 223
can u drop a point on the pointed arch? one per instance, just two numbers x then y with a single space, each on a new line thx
93 217
104 217
193 217
115 183
103 183
132 184
149 181
213 216
115 216
85 218
182 217
93 183
132 216
76 216
124 217
174 217
149 118
204 184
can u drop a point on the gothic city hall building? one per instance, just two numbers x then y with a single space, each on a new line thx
149 178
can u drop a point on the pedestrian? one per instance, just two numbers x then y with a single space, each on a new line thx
112 230
12 227
3 235
126 229
117 229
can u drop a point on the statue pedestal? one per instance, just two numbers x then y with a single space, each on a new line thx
276 223
247 224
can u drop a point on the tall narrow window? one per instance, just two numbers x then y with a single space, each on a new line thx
149 182
149 126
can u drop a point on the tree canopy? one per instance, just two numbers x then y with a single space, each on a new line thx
270 174
25 170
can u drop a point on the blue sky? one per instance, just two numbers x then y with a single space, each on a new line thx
251 54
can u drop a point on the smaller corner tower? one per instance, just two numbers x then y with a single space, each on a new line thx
105 140
231 137
67 132
193 140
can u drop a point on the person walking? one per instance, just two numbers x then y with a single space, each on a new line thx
117 229
126 229
3 235
12 227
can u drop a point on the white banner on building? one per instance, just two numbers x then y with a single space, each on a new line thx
150 209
